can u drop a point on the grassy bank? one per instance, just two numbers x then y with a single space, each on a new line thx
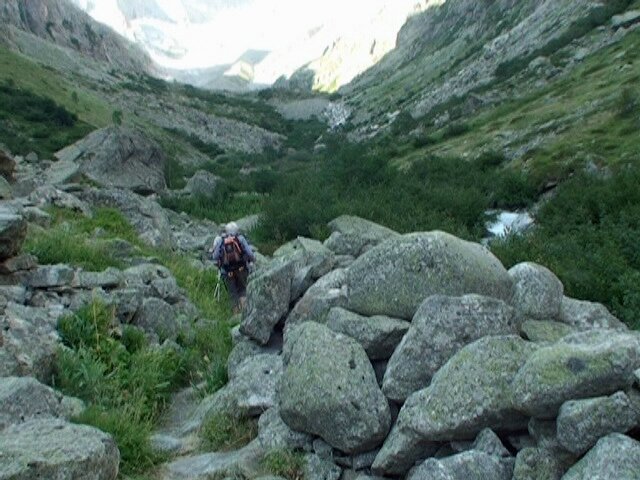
124 381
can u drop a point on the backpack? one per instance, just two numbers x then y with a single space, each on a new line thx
232 252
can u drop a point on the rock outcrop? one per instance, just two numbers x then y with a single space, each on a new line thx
118 157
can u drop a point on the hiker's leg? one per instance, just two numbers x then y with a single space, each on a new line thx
243 277
232 288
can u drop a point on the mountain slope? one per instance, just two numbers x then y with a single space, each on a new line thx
463 47
60 23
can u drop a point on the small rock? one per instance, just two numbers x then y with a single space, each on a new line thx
51 277
545 331
471 465
378 335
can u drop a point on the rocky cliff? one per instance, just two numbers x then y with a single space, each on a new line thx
462 49
61 23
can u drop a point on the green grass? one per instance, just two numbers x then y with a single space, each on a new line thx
225 433
285 463
28 75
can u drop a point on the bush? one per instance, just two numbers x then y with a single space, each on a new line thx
455 130
588 235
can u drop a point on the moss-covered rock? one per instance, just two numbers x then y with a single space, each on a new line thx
329 389
545 331
581 423
581 365
537 291
442 326
395 277
52 448
614 456
472 391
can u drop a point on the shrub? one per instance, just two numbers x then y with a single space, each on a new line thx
455 130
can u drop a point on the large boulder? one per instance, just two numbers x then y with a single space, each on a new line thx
614 456
442 326
354 235
329 389
378 335
147 217
537 291
472 391
581 423
52 448
249 393
585 315
119 157
582 365
268 298
471 465
395 277
13 231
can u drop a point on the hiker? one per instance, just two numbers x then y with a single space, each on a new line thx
234 257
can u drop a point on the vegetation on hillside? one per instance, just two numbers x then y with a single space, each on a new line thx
125 382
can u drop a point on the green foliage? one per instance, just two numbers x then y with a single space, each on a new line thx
628 103
30 122
222 432
220 207
116 117
455 130
285 463
435 193
588 235
125 381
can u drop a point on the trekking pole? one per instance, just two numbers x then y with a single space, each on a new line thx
216 292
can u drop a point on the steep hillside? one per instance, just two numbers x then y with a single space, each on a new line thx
60 23
464 51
